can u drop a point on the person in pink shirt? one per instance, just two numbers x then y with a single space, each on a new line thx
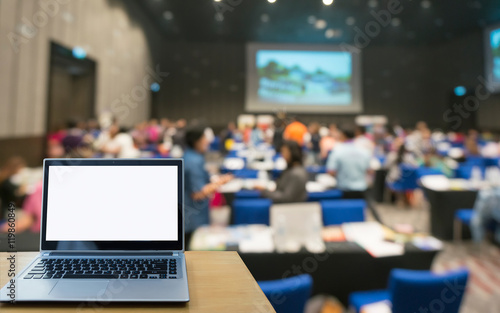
32 213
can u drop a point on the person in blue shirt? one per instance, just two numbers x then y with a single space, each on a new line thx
350 164
486 210
197 186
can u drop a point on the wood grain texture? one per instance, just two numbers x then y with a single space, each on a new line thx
218 282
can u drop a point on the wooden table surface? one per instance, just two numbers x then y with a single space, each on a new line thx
218 282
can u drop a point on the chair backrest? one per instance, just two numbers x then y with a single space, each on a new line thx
288 295
247 194
409 177
246 173
465 170
424 291
324 195
475 160
427 171
251 211
336 212
316 169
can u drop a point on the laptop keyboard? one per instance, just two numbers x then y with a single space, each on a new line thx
104 269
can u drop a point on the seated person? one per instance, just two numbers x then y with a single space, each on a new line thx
31 213
291 185
487 210
117 143
400 156
10 191
433 160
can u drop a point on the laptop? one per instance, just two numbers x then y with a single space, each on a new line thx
112 230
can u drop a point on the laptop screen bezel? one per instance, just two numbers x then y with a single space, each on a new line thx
116 245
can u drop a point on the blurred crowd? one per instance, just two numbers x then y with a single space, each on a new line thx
347 152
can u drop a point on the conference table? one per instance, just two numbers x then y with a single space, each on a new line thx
343 268
218 282
443 204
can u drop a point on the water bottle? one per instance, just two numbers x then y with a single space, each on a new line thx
280 234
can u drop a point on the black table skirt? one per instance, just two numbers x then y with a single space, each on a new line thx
378 188
344 269
443 205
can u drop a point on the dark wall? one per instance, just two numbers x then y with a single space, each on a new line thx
407 84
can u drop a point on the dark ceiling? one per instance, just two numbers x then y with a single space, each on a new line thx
310 21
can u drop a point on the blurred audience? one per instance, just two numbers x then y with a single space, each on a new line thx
10 190
295 131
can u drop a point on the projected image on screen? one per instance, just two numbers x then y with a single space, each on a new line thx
495 53
304 77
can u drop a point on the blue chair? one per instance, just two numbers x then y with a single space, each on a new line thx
247 194
316 169
426 171
215 145
407 181
336 212
475 160
246 173
462 217
491 162
276 173
324 195
288 295
465 171
251 211
412 290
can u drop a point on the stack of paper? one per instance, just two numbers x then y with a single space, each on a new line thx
370 236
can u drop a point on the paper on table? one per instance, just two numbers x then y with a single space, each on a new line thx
312 186
435 182
259 238
327 180
370 236
380 249
428 243
361 230
234 185
377 307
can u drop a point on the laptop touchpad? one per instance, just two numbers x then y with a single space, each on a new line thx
84 289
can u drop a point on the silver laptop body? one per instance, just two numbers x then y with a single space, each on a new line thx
112 230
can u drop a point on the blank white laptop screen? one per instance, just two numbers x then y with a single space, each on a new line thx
112 203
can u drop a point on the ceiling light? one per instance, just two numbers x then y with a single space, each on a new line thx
425 4
217 0
333 33
350 20
219 17
396 22
168 15
327 2
320 24
271 1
